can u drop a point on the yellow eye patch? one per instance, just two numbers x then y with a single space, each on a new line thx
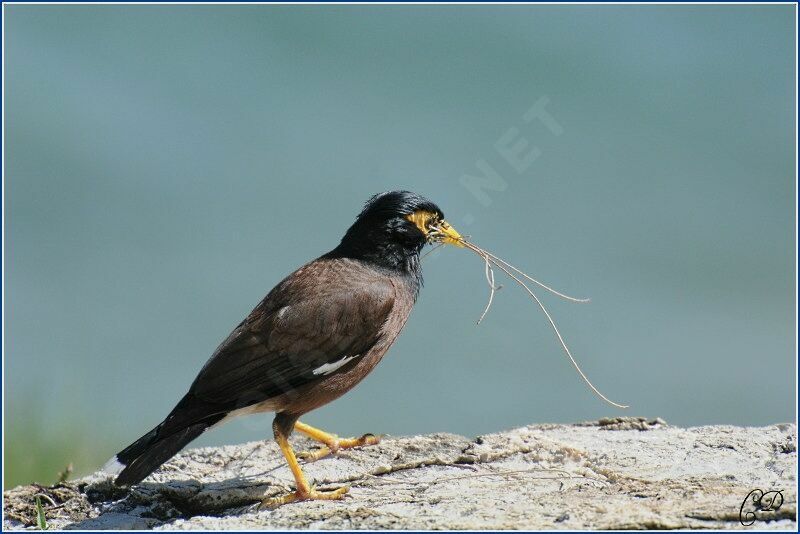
422 219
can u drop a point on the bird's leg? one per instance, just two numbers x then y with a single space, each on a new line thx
331 443
304 490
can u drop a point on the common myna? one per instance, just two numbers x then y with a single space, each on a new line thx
316 335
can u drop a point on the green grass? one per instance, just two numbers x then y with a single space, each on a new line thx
38 453
41 520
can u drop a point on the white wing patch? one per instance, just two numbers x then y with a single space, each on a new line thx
328 368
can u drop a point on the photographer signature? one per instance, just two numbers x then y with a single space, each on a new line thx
762 501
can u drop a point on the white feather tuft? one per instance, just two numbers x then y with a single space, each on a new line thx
113 466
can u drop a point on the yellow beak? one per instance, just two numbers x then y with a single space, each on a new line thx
451 237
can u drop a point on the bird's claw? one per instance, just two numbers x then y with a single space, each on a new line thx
311 494
334 446
313 456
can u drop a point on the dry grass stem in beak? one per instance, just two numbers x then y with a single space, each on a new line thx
515 274
492 287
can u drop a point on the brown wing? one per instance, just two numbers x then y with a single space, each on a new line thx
324 316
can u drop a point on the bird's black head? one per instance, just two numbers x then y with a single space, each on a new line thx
392 229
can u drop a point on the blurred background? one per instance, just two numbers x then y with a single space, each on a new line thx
167 165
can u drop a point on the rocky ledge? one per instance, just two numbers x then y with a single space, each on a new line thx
624 473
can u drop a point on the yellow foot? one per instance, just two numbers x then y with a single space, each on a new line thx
332 446
308 495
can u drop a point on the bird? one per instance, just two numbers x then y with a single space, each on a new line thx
315 336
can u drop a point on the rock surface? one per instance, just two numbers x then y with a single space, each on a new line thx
625 473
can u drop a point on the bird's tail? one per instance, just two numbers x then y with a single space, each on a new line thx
147 453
